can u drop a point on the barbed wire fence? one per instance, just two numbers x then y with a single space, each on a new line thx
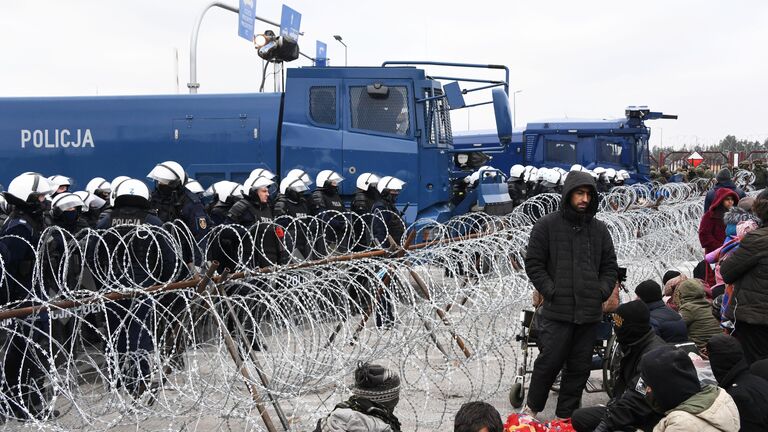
120 332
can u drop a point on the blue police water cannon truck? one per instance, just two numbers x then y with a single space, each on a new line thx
391 120
620 143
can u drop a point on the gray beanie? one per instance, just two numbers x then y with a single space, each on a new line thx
723 176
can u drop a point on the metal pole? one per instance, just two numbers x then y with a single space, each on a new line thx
193 85
514 107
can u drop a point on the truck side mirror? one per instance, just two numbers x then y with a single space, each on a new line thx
377 91
454 95
503 116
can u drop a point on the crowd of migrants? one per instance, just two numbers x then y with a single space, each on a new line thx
158 253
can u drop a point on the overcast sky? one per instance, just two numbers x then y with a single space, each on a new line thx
706 61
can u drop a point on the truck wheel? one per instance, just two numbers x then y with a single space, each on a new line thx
517 395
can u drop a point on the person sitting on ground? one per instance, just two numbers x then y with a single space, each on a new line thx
667 323
371 407
750 392
696 312
672 387
672 279
626 410
477 417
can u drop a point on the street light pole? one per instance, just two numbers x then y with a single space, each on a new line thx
514 107
338 38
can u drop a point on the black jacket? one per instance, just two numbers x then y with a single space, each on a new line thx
292 213
747 270
266 233
750 392
629 407
570 259
362 206
517 191
386 221
667 323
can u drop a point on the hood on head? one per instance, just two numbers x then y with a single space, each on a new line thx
671 375
689 290
575 180
725 352
720 195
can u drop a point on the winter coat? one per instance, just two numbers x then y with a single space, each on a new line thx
696 312
749 392
667 323
669 290
570 258
747 270
347 420
711 194
712 227
266 234
629 408
711 410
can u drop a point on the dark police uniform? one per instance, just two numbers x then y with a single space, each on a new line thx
292 213
326 202
21 363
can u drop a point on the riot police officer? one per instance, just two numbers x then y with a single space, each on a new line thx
253 212
173 202
224 195
517 188
133 251
292 213
362 206
25 358
102 189
387 220
329 208
60 184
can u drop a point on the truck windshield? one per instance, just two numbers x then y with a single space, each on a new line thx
561 151
609 152
388 114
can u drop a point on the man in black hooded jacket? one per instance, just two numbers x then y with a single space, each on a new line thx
571 262
750 392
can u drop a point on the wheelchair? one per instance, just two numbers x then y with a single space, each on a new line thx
606 356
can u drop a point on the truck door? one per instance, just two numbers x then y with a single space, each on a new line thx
311 137
379 133
220 142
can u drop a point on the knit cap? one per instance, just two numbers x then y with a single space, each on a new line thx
648 291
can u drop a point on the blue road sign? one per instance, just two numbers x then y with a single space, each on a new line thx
290 23
321 54
247 16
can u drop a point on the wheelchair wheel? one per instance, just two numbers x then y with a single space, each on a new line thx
611 364
517 395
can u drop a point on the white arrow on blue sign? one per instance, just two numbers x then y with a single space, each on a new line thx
290 23
321 54
246 19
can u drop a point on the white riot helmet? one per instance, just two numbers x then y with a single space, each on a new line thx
540 173
100 186
552 177
366 180
131 192
577 167
299 173
563 175
263 172
390 183
599 171
114 185
194 186
516 172
29 185
326 176
58 181
593 174
65 201
91 200
623 174
168 173
610 174
292 183
225 189
255 183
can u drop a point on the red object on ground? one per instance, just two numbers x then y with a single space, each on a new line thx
525 423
